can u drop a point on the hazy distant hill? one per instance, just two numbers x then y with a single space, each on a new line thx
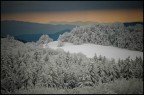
80 23
132 23
16 28
35 37
77 23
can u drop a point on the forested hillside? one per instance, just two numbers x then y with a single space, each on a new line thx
25 67
115 34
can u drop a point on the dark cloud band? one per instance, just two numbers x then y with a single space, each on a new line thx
60 6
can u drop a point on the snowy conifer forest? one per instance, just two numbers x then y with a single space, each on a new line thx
114 34
37 68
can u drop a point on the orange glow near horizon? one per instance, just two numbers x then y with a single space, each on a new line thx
106 16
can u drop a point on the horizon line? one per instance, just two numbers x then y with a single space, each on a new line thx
72 21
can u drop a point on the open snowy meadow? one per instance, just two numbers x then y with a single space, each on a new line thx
91 49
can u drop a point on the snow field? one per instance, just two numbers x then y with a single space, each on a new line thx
90 49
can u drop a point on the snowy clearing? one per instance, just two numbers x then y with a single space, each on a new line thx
90 49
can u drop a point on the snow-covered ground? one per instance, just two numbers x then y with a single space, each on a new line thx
90 49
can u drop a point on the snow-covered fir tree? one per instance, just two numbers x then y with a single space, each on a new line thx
44 39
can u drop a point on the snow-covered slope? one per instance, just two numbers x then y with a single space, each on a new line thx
90 49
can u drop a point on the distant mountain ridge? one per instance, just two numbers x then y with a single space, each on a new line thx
132 23
16 28
35 37
77 23
80 23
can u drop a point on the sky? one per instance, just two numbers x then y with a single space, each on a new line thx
71 11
